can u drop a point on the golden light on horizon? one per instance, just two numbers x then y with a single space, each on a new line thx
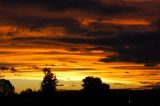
71 79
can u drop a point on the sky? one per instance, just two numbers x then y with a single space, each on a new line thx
115 40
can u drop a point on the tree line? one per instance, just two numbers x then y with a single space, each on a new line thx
91 85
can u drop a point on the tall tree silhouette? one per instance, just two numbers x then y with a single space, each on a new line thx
6 88
49 83
94 85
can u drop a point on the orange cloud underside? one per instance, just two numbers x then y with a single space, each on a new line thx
127 22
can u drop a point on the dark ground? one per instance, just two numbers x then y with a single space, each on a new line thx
77 98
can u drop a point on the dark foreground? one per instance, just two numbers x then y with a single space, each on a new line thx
77 98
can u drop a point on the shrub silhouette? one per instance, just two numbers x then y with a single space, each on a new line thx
49 83
6 88
94 85
27 91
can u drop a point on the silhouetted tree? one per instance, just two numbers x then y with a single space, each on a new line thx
6 88
94 85
49 83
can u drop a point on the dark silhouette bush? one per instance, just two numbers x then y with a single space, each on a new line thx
27 91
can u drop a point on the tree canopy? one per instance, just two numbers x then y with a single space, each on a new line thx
49 83
94 85
6 88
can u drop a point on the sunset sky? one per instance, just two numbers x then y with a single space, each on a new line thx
116 40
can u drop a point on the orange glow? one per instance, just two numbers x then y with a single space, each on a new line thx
127 22
87 21
5 28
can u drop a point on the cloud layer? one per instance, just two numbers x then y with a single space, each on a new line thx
129 30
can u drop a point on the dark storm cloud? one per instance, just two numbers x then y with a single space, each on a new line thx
137 47
99 33
71 25
92 6
35 23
